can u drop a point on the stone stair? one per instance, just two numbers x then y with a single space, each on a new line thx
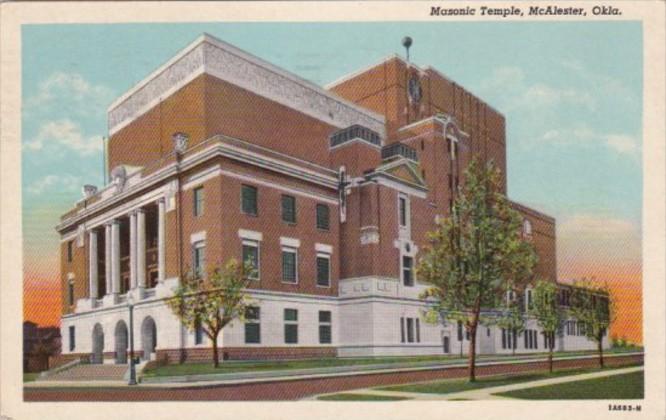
86 372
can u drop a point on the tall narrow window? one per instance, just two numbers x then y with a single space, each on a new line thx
70 292
198 333
402 329
503 338
198 201
418 330
460 331
251 257
323 217
249 200
325 327
289 209
402 202
70 251
526 339
323 270
72 338
410 330
199 258
289 265
291 326
407 271
252 325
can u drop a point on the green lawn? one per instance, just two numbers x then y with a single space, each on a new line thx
253 366
359 397
458 385
29 377
619 387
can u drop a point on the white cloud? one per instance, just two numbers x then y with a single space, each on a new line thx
63 183
70 90
619 143
518 94
67 134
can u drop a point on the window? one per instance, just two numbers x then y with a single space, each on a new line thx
198 201
70 251
529 299
249 200
460 331
288 209
402 201
527 228
291 326
323 217
504 346
487 332
199 258
407 275
402 330
72 338
251 256
70 292
325 327
323 270
289 265
252 325
418 331
198 333
410 330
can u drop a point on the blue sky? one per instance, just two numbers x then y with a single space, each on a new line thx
571 93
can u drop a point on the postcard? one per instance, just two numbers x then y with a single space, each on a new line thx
377 209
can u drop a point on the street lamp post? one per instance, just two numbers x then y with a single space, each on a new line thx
130 304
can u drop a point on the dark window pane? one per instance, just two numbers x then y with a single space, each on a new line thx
325 316
252 333
70 251
72 338
323 271
323 217
198 333
288 209
291 333
291 315
402 330
410 330
403 211
324 334
198 201
407 277
71 293
251 255
289 266
252 313
418 331
249 200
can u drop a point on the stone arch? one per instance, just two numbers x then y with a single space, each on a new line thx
148 337
97 344
121 342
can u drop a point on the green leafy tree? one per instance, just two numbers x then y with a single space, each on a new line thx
548 313
476 254
593 306
212 302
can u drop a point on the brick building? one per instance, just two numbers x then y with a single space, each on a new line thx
219 154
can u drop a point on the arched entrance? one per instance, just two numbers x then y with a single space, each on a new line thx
97 344
148 337
121 342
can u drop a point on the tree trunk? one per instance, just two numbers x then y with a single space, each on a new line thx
216 361
601 351
551 344
472 349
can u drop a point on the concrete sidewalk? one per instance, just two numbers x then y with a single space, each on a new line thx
487 393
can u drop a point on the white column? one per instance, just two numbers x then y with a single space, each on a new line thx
132 262
161 242
115 257
107 258
141 248
92 251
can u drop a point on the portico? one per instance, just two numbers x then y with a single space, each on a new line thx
126 254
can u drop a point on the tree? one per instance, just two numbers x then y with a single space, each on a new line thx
212 303
476 254
548 313
592 305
